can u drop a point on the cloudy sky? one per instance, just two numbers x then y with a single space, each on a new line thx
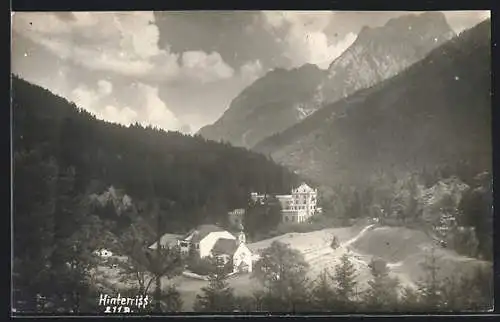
178 70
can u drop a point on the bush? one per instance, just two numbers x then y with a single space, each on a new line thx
335 243
201 266
464 241
206 266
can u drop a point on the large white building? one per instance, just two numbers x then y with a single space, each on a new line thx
297 207
300 205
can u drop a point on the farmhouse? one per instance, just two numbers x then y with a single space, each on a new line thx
167 240
213 241
258 197
103 253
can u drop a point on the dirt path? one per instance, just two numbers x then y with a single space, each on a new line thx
358 236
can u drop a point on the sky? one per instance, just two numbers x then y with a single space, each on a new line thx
179 70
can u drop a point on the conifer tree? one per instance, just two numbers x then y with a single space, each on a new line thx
217 296
430 287
171 300
323 294
410 300
345 281
382 294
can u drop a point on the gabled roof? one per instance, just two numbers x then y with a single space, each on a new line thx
167 240
197 234
303 188
225 246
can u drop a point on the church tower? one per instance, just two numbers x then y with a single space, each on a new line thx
241 234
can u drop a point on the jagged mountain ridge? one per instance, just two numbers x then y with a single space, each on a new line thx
437 112
382 52
281 98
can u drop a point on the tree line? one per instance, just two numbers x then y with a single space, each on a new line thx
465 216
285 287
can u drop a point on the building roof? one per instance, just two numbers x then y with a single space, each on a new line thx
225 246
167 240
304 188
239 211
200 232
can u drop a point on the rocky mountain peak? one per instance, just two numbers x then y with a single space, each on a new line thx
283 97
382 52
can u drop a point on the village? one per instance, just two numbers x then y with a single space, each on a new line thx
228 246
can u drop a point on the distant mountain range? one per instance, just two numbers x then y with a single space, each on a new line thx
282 98
271 104
435 113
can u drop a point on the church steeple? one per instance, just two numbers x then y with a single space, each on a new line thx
241 234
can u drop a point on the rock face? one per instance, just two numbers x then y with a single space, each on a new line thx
282 98
271 104
383 52
435 113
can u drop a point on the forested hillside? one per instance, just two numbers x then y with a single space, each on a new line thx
80 184
203 179
437 113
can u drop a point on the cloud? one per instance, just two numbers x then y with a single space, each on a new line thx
304 37
151 110
461 20
85 97
93 100
105 87
125 43
251 70
310 20
157 114
206 67
313 47
125 116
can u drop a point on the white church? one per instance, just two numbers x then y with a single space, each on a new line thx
213 241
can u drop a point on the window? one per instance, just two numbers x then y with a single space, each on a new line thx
219 260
